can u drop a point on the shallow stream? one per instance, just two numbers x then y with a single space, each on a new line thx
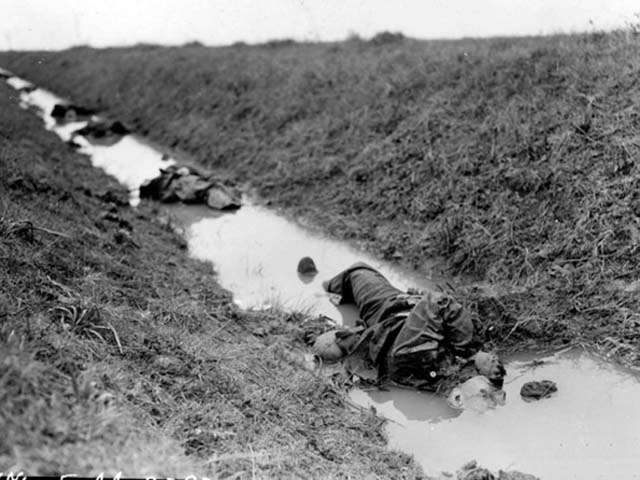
589 429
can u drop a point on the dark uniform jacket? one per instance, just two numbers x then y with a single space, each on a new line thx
409 339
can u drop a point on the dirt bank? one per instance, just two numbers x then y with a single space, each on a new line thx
513 159
119 353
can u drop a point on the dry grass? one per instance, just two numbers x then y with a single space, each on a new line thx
117 357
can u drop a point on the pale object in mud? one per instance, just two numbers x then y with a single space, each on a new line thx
220 197
326 347
477 394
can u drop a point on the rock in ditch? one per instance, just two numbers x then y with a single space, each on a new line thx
307 267
532 391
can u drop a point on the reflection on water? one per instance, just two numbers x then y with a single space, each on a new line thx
589 429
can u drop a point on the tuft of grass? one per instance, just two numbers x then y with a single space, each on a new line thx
385 38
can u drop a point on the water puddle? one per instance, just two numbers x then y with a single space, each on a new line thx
589 429
18 83
130 160
256 253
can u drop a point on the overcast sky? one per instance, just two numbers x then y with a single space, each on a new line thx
55 24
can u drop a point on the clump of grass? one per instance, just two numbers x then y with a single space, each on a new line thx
385 38
85 321
20 229
279 43
23 229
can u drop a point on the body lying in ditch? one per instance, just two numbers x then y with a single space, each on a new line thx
423 341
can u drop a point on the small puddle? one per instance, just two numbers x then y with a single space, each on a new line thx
18 83
589 429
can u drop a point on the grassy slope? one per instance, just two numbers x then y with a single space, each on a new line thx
184 388
515 160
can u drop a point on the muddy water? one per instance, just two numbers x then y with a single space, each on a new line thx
130 160
18 83
256 253
590 429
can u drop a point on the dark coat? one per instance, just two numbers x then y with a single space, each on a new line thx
410 339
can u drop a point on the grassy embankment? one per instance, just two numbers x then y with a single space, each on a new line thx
119 353
514 160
